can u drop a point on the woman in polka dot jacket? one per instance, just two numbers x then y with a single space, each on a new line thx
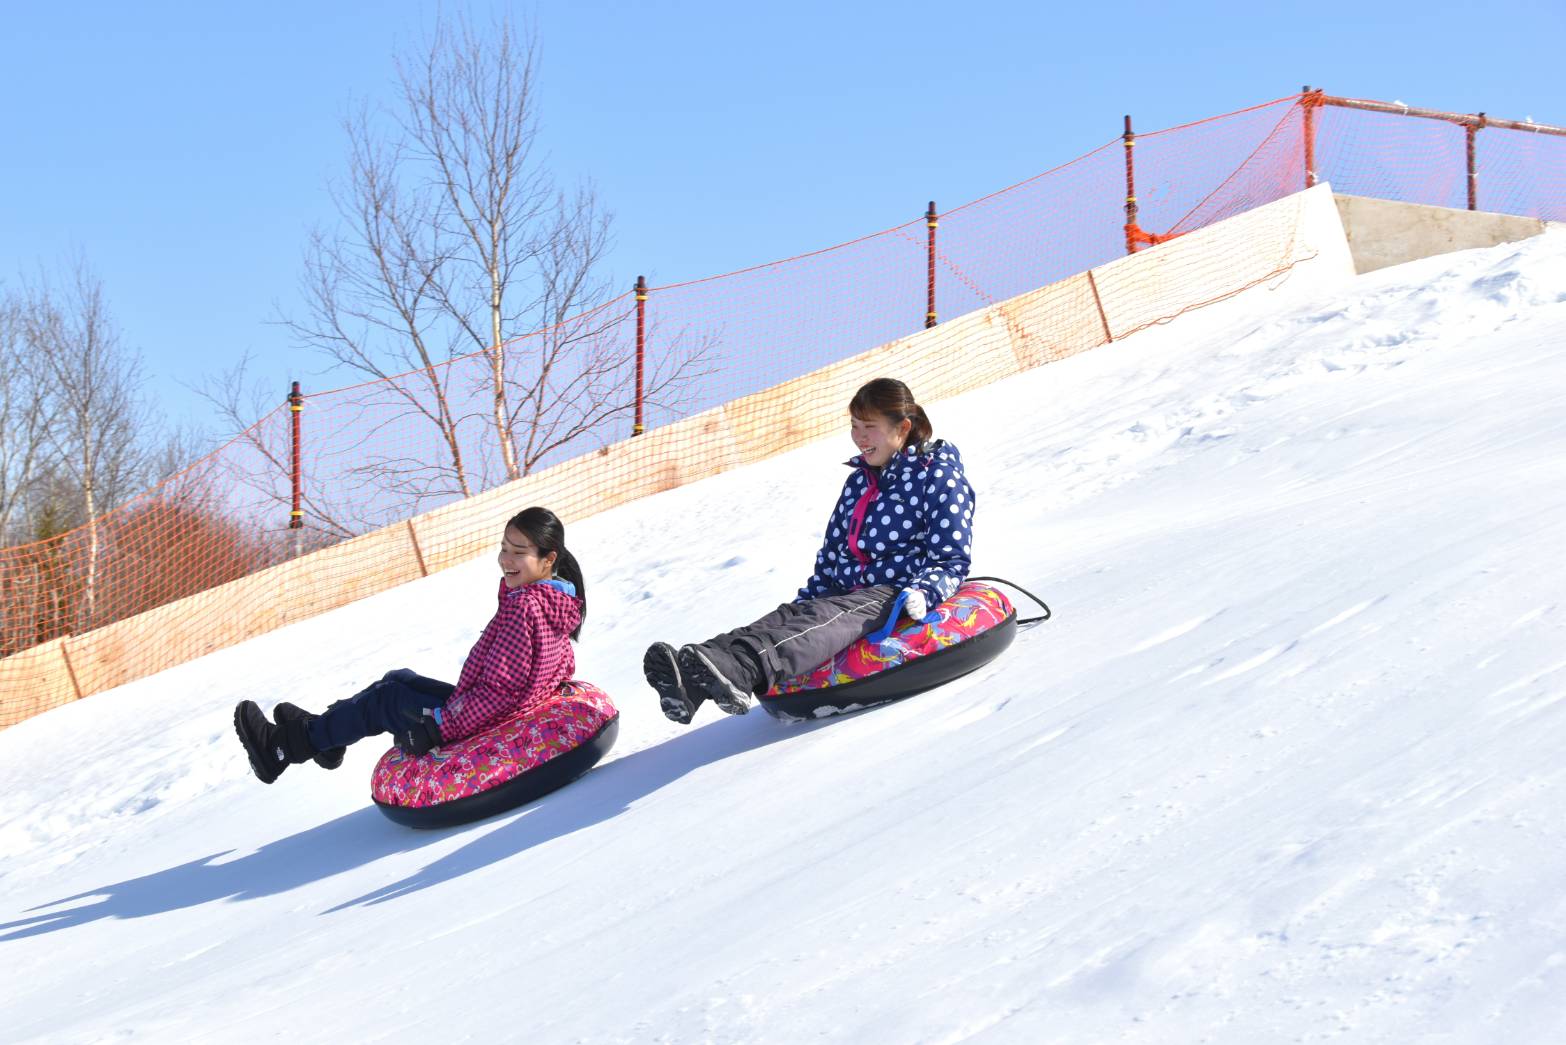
899 540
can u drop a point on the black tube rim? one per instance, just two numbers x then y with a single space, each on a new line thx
897 683
521 789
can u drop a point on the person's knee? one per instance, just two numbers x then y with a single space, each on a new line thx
402 714
414 681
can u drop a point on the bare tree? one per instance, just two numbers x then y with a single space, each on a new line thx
25 417
78 450
471 113
374 305
99 417
455 238
575 375
40 589
181 446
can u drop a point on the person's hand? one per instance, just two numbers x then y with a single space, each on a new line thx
914 604
419 737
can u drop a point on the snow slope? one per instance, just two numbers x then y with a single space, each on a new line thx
1286 766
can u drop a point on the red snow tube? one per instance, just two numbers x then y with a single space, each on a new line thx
972 628
519 760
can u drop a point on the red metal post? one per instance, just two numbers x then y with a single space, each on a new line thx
1470 130
641 347
1309 100
1130 140
296 514
931 221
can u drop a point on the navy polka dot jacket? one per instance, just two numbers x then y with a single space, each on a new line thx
910 526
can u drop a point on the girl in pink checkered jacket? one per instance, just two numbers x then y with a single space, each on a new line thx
522 657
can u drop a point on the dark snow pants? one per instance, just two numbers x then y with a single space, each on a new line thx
396 700
797 636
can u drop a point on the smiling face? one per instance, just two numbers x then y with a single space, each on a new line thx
520 561
878 438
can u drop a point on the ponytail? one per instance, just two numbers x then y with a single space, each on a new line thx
566 568
547 533
921 431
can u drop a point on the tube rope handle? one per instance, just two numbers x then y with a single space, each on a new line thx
1012 584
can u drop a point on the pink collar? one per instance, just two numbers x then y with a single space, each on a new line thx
856 524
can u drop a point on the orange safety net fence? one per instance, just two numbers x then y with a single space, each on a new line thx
1390 156
391 473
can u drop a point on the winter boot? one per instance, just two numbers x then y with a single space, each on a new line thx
332 757
272 748
704 678
662 669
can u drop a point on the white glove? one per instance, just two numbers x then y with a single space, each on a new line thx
914 604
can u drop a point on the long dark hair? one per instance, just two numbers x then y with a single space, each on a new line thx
544 528
889 398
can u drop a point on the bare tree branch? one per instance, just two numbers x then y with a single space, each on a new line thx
471 115
100 416
26 415
454 239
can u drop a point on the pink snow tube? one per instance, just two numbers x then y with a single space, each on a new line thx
522 758
972 628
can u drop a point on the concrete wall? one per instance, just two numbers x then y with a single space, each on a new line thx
1285 252
1383 232
1294 247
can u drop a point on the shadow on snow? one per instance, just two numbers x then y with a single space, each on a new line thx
364 836
601 795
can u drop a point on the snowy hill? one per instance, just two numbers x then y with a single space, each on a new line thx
1287 765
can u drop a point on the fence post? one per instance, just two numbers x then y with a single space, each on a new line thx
931 221
1109 335
1308 101
296 514
70 670
1130 140
641 348
1472 129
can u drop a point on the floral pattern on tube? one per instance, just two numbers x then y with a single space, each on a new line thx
547 730
975 608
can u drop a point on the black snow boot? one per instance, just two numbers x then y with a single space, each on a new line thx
332 757
703 678
272 748
663 674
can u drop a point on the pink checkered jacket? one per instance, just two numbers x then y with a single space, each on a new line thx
521 658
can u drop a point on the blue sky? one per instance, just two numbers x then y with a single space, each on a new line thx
186 149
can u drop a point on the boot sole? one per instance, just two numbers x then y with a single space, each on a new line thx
662 672
257 766
704 676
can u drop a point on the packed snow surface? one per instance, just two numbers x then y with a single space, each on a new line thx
1289 764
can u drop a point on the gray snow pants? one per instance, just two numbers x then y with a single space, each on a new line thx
797 636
